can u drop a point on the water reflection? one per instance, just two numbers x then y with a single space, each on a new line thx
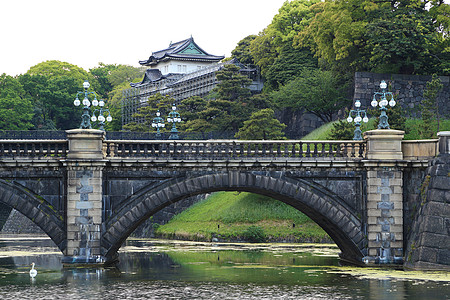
157 270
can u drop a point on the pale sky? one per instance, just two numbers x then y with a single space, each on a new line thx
86 32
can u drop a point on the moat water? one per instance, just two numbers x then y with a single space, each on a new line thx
150 269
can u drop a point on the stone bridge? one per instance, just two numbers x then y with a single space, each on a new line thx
89 194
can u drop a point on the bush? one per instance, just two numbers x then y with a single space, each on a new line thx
255 234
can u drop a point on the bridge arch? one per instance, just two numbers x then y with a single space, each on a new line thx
36 209
334 216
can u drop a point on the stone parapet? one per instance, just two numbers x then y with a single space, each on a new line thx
85 144
384 144
444 142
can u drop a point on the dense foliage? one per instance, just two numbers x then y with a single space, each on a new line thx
42 98
307 56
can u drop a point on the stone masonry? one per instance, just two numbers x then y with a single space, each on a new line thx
429 242
384 197
84 196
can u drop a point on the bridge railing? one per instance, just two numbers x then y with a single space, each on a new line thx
233 149
33 148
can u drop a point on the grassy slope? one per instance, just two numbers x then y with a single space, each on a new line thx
227 215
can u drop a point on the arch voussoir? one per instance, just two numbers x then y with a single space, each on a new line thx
319 204
36 209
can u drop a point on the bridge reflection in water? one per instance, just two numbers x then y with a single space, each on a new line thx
89 194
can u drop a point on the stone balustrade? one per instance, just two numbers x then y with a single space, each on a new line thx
216 149
33 148
234 149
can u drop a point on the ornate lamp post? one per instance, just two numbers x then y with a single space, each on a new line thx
101 117
383 102
174 117
357 113
158 122
85 117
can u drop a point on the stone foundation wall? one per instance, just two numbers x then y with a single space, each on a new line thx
409 89
429 242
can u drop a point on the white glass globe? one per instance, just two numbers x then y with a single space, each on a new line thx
174 107
163 125
383 84
160 125
101 103
365 119
374 103
109 118
358 119
76 102
86 84
349 119
93 118
154 124
158 113
392 102
357 103
101 118
169 120
86 102
383 102
95 102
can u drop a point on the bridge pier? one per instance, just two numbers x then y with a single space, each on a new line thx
384 197
84 165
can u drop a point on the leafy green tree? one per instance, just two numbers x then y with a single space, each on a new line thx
318 92
102 74
287 65
16 110
52 97
125 73
273 50
430 107
242 51
390 36
262 125
56 68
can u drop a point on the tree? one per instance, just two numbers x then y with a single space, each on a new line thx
148 112
262 125
16 110
56 68
390 36
342 130
242 51
273 50
430 107
102 74
232 85
52 97
318 92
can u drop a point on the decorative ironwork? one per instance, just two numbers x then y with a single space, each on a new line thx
158 122
357 113
174 117
383 102
85 117
101 115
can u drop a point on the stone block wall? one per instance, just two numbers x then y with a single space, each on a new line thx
429 242
385 215
409 89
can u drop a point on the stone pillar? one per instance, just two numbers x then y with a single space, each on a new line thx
384 207
444 142
84 164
